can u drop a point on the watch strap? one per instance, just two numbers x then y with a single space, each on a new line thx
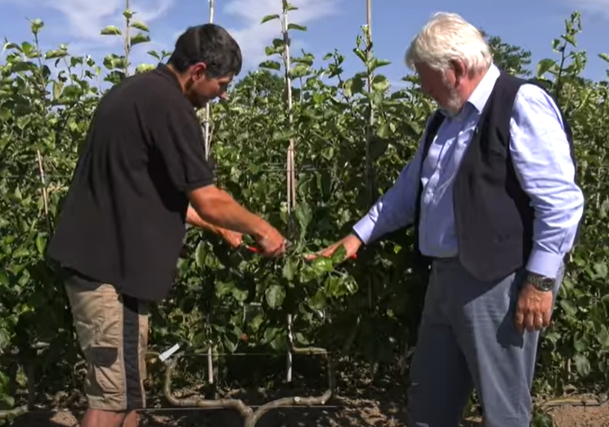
540 282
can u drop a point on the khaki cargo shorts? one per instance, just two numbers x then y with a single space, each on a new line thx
112 331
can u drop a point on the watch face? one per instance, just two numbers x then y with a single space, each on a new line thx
545 284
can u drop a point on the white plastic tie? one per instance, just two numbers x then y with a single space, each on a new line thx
167 353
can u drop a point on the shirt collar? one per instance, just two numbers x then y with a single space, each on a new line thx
164 70
483 90
477 99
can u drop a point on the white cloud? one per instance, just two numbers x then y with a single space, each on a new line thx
253 37
85 18
594 6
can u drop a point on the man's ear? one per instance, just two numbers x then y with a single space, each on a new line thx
459 68
198 70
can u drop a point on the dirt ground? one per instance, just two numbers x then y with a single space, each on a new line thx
340 412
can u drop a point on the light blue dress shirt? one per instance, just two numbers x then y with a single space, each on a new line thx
541 157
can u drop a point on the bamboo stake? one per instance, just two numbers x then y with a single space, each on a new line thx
369 134
127 40
208 106
291 177
207 135
45 194
370 127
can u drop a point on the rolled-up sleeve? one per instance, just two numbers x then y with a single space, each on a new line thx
542 161
396 208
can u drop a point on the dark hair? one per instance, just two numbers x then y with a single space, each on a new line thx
210 44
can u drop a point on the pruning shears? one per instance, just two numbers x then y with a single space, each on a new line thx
256 250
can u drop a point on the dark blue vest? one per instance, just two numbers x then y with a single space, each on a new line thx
493 215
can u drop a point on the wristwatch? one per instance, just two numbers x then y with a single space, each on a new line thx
540 282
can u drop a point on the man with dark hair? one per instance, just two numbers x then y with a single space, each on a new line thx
123 221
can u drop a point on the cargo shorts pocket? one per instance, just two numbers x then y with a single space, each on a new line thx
105 373
105 352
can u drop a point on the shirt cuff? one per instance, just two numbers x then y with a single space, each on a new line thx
544 263
364 229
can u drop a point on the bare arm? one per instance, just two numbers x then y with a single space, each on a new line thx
233 238
216 208
193 218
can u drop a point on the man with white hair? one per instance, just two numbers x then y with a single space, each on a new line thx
491 193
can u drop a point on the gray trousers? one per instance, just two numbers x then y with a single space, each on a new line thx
467 338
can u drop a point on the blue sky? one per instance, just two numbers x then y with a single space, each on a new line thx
331 24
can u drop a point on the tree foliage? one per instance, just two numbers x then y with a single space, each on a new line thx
235 299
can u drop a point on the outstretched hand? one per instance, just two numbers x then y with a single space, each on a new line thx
273 244
351 244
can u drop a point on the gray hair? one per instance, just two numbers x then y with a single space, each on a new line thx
448 37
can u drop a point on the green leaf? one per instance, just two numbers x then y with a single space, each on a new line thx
9 401
201 254
318 301
139 38
570 39
339 254
378 63
27 49
270 65
602 337
154 54
604 57
270 334
361 55
568 307
3 279
296 27
224 288
604 209
544 66
289 269
322 265
600 270
111 30
55 54
142 68
299 70
41 242
279 343
5 339
358 85
582 364
140 26
380 83
275 295
268 18
304 215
